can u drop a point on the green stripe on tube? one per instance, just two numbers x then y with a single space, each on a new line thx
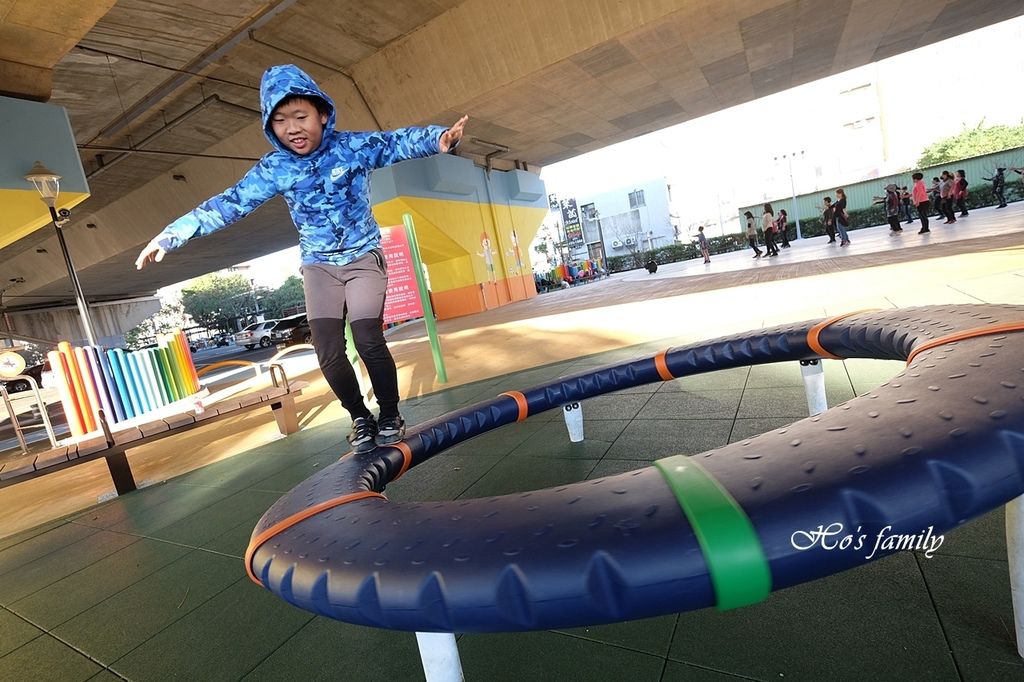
172 367
736 561
172 386
158 378
168 370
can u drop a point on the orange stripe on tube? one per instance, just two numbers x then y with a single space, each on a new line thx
661 363
59 368
406 457
524 409
78 384
89 382
183 342
969 334
814 332
287 523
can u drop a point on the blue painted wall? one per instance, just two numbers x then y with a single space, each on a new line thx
34 131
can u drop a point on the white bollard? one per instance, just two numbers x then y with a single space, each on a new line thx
573 413
1014 549
814 385
440 656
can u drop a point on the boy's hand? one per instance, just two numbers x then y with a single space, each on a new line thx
152 253
451 137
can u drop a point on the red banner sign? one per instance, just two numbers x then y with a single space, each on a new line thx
403 295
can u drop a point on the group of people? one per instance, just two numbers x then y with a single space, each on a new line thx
946 197
947 194
771 227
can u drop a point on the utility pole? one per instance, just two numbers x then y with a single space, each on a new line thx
792 186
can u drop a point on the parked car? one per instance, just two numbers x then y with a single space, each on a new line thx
300 333
282 332
216 341
256 334
35 371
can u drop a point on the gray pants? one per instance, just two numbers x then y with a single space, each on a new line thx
355 291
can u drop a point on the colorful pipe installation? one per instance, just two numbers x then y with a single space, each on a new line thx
124 384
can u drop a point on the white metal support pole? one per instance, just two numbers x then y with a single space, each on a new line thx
440 656
14 420
573 413
1015 557
814 386
796 209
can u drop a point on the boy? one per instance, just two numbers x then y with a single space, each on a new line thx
703 242
323 175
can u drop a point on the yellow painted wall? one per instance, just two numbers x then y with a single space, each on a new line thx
449 234
24 212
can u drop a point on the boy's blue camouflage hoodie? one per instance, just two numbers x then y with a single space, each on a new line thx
327 190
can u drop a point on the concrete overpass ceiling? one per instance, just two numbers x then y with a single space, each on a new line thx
547 80
115 277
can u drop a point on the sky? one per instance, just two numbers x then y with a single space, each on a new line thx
719 162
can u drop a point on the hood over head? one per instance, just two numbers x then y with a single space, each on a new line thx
280 82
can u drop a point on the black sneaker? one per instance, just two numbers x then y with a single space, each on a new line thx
364 430
391 430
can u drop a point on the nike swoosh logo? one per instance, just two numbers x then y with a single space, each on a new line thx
337 173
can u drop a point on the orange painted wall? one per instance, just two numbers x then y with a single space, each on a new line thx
478 297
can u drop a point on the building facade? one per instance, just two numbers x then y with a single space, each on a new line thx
614 223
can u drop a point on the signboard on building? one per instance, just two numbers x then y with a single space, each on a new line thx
571 224
403 299
553 203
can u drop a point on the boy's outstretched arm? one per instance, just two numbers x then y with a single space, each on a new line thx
255 188
151 253
382 148
452 136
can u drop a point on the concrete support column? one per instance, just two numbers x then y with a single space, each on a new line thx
111 321
25 81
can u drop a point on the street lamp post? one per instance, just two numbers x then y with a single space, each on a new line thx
792 186
47 183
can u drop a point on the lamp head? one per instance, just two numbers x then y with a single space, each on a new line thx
46 182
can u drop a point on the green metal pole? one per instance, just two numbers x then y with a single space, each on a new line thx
428 312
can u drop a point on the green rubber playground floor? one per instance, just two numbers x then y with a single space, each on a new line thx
150 586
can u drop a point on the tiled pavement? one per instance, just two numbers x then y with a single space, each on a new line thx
150 586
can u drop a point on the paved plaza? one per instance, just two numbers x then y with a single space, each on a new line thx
151 585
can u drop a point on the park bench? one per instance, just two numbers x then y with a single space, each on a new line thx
112 446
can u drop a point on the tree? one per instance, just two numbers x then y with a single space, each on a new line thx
973 142
170 317
213 300
288 295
